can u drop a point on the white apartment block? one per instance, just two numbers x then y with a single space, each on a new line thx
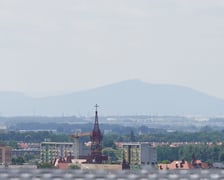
49 151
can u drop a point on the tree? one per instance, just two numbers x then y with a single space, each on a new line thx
74 166
221 156
18 161
132 136
108 141
45 166
113 154
12 144
27 157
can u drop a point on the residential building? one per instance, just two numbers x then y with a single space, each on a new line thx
3 129
174 165
5 154
49 151
139 153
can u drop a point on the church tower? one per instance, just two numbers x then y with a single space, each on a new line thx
96 141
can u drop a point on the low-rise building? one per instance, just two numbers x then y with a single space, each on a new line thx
35 152
174 165
3 129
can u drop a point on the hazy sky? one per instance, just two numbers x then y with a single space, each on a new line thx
63 46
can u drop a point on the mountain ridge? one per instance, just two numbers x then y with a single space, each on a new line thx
128 97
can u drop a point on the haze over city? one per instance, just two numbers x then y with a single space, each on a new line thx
50 47
118 89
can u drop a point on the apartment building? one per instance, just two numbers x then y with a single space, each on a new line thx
49 151
139 153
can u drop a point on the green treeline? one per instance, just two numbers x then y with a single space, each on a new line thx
217 136
10 138
204 152
212 153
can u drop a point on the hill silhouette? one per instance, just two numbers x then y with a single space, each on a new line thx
131 97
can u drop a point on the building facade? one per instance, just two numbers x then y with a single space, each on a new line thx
5 154
138 153
49 151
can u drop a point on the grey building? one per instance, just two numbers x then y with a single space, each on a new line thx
139 153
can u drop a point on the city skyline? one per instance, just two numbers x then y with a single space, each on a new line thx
50 47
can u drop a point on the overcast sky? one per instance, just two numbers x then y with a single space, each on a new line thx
62 46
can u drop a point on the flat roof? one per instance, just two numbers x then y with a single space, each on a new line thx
54 143
136 143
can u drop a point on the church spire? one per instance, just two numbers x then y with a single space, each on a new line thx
96 123
96 141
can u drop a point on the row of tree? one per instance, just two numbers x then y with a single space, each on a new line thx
204 152
34 137
40 136
217 136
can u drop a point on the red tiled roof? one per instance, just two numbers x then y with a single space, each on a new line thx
175 165
63 165
183 165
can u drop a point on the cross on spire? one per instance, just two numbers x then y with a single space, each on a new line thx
96 106
96 124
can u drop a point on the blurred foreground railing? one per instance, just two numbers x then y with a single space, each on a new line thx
144 174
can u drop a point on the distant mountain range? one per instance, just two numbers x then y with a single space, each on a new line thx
131 97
